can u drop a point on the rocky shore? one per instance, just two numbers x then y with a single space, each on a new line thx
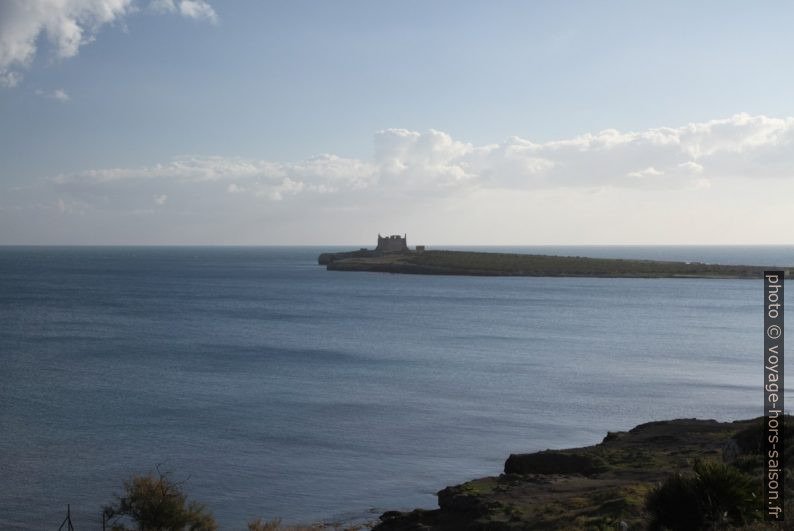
506 264
604 486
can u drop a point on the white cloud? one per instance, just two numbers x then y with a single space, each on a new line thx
696 183
66 206
409 165
650 171
691 166
67 25
58 94
198 9
412 158
9 79
274 181
326 171
687 156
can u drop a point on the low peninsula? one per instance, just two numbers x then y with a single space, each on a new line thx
393 256
526 265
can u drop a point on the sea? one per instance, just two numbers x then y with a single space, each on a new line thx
270 387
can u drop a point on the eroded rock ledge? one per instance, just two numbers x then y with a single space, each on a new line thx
595 487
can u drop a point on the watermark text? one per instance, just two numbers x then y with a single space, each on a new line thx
773 395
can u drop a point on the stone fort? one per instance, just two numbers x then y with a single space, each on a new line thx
394 242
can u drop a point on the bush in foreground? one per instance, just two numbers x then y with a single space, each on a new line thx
157 503
715 496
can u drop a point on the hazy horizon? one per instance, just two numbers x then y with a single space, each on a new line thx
196 122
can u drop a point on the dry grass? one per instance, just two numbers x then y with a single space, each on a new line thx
276 525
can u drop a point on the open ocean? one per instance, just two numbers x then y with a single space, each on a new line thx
275 388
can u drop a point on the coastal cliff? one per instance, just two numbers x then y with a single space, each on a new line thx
604 486
506 264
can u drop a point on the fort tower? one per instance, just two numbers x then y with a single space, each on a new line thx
393 243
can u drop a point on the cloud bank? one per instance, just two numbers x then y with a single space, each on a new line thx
58 94
68 25
410 164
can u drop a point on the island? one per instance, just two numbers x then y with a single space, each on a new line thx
677 474
392 255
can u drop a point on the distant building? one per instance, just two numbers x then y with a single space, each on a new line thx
420 248
393 243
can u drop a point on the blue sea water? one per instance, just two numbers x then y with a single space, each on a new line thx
275 388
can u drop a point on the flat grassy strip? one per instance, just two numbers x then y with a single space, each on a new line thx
543 265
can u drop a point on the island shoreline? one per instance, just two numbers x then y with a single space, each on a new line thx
486 264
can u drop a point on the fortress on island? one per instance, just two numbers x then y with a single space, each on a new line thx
393 243
392 255
389 247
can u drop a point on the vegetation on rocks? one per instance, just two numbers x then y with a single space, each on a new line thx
507 264
678 475
714 496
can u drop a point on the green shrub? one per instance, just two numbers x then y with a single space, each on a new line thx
157 503
752 464
751 439
715 496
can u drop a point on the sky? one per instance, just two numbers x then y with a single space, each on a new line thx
209 122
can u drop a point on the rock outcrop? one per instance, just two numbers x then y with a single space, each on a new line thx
596 487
